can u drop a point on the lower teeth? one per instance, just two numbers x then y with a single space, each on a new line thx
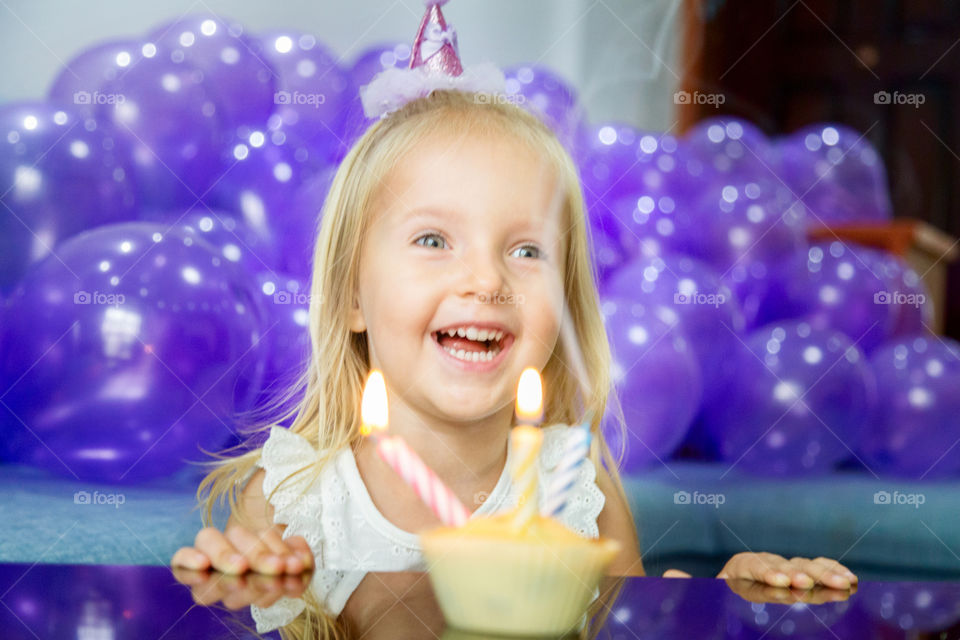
473 356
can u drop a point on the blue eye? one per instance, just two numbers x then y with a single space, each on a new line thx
534 247
428 235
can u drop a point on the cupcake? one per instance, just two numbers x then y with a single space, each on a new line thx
538 581
516 572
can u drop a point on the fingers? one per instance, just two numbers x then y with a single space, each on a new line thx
675 573
295 551
260 556
223 555
829 572
768 568
190 558
302 549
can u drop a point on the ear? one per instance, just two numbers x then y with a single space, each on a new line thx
357 323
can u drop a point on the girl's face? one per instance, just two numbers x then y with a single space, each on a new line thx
464 235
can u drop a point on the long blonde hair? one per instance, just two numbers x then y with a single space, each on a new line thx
324 402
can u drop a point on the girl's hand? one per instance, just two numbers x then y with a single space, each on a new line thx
238 550
777 571
208 588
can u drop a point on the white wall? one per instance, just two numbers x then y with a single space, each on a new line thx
620 54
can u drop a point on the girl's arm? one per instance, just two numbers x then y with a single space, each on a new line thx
616 522
253 545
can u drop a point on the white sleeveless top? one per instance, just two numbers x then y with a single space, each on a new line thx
350 537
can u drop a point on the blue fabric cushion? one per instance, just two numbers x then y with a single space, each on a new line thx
848 515
45 519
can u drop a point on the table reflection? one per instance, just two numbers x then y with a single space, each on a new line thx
105 602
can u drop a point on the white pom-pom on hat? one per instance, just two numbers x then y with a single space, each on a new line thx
434 64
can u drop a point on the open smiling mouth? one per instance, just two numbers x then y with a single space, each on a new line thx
470 344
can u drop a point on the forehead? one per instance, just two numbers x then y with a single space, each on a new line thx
459 175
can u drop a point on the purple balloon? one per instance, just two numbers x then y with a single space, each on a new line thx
242 82
735 224
749 232
657 381
172 121
549 97
629 176
732 148
286 302
907 293
837 172
915 430
122 354
842 287
82 78
792 399
266 171
685 290
60 173
229 236
313 91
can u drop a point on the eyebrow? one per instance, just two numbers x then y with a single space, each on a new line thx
434 213
426 212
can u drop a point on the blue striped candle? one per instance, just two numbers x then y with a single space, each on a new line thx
565 475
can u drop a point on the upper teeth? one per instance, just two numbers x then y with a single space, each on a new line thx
472 333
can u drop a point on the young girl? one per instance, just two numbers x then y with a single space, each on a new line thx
450 216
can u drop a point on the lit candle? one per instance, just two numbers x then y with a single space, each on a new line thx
530 397
404 460
525 441
565 475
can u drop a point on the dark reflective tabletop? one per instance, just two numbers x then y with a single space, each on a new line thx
88 602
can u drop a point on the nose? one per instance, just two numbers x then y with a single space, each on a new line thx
482 275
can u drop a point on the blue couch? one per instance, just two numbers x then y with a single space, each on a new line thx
691 515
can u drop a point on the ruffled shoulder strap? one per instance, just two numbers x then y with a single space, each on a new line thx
586 499
292 486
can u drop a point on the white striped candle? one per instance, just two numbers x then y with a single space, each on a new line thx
561 482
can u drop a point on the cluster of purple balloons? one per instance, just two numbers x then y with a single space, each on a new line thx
807 354
159 210
159 213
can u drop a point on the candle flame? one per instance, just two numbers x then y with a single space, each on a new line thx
530 396
373 407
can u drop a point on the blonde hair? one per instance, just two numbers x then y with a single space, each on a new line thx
324 402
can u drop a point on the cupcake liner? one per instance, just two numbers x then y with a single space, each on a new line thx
514 586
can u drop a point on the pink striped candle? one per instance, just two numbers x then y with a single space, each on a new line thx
402 459
434 493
